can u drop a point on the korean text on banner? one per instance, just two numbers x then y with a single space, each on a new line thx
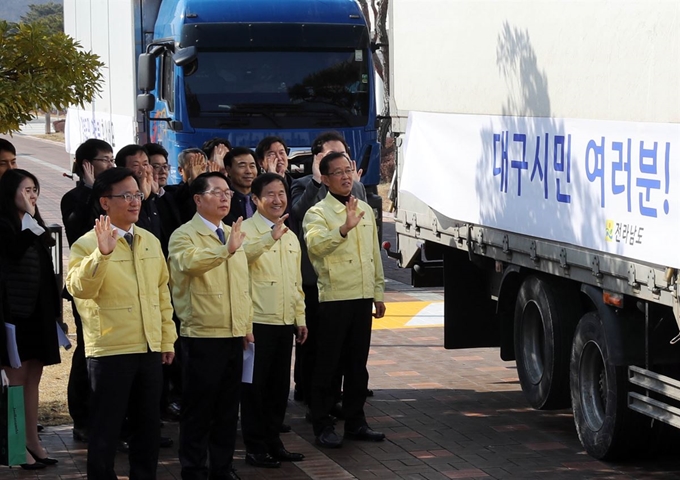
604 185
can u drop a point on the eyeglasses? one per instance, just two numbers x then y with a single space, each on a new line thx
216 192
128 196
105 159
159 166
342 173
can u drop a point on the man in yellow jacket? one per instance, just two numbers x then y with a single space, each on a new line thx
210 290
119 280
342 241
274 258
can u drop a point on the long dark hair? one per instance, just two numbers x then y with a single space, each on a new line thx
9 185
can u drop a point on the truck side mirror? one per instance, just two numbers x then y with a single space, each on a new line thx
184 56
146 72
146 102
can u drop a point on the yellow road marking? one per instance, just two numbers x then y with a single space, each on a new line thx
399 314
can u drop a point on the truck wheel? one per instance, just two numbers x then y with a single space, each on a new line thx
544 326
599 397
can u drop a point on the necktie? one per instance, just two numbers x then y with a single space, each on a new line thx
249 207
220 235
128 239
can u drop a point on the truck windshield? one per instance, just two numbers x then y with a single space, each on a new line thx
278 89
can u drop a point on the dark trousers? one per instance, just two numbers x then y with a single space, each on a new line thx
211 390
305 354
78 390
113 381
172 375
343 341
264 402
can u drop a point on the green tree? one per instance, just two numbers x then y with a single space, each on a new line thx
42 70
51 14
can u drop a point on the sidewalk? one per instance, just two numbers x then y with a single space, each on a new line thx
446 414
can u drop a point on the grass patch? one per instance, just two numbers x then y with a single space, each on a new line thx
55 137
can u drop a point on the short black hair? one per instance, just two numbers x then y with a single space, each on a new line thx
209 145
6 146
156 149
325 137
88 150
323 165
103 184
266 143
237 152
128 151
265 179
200 183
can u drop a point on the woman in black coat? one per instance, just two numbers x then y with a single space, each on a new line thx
32 296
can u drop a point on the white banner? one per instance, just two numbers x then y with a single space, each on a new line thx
81 125
603 185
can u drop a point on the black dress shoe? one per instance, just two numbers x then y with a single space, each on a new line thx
262 460
365 433
284 428
369 393
166 442
40 428
44 461
80 435
329 439
32 466
284 455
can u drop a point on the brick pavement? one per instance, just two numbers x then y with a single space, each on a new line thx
447 414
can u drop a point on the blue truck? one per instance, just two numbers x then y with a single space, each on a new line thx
179 72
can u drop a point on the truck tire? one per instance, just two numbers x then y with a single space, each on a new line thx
543 330
606 427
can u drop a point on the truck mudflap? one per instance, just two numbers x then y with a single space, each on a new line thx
470 318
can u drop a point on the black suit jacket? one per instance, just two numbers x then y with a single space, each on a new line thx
169 215
78 212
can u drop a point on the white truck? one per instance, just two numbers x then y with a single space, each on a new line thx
538 161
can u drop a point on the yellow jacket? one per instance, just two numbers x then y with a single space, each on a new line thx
210 287
275 274
123 298
348 268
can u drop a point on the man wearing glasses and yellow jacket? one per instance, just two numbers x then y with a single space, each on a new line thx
210 290
342 241
274 258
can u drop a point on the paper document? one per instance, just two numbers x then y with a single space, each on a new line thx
248 363
63 339
12 349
